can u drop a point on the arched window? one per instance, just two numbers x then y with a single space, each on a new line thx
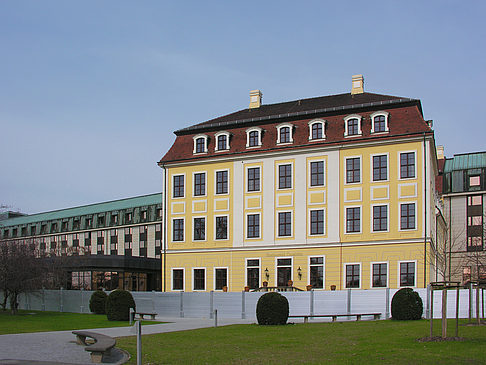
222 141
285 133
200 143
352 126
317 129
379 122
253 137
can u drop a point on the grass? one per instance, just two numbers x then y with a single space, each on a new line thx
38 321
367 342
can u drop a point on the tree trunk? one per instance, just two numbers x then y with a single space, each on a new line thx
477 305
5 298
13 303
444 313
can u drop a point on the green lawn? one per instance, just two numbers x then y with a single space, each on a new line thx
367 342
37 321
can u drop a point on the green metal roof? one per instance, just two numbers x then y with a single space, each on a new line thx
137 201
465 161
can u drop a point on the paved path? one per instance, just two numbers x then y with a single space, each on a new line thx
60 347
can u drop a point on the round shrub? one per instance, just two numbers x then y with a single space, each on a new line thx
118 305
272 308
406 304
97 302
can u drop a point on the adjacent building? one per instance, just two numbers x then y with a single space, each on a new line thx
333 192
110 245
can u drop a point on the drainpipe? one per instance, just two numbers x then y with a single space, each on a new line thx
450 237
164 221
425 212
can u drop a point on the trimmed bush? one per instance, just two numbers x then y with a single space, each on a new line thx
97 302
406 304
272 309
118 305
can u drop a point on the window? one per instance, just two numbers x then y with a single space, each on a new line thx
253 273
253 225
177 279
114 219
199 229
316 130
200 184
222 228
380 218
379 122
254 179
407 273
380 168
222 141
64 225
317 173
407 165
317 222
285 176
87 239
316 272
199 279
178 191
113 242
143 241
353 220
474 223
466 274
253 137
352 276
200 144
178 230
407 216
101 221
284 224
128 241
143 215
221 278
353 170
352 126
128 217
284 271
379 275
100 241
284 133
222 182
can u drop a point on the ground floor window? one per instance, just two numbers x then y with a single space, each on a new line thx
284 271
253 273
177 279
221 279
199 279
316 272
407 273
352 276
379 275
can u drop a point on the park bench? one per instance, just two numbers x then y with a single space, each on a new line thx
335 316
142 314
100 345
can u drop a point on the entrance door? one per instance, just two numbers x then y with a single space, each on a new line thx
284 271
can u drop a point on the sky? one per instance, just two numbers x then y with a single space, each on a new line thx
91 91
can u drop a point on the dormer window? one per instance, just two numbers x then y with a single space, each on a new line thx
200 143
316 129
222 141
352 126
285 133
254 137
379 122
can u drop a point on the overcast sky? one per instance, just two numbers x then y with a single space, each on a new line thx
91 91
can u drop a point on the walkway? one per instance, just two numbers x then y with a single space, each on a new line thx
43 348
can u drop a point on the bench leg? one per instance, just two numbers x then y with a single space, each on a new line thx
358 317
81 340
152 316
334 318
306 319
96 357
376 316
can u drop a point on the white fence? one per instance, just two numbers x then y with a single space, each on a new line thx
243 304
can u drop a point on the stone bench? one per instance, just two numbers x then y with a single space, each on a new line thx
142 314
100 345
334 316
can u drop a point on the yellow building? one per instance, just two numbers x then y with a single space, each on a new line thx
328 191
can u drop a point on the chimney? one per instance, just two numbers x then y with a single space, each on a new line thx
440 152
357 85
255 99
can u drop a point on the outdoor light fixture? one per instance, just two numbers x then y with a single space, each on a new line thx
299 272
267 275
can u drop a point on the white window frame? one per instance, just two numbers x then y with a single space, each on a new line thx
323 124
387 167
399 166
259 270
216 182
206 184
205 279
387 274
227 227
360 219
259 225
214 277
183 278
291 163
387 217
377 114
323 270
172 229
185 186
353 116
254 129
360 169
291 223
279 129
291 268
261 179
323 223
400 216
414 276
310 173
195 138
216 136
360 274
205 228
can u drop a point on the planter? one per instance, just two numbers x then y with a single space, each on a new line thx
225 288
309 287
265 283
247 288
290 283
333 287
